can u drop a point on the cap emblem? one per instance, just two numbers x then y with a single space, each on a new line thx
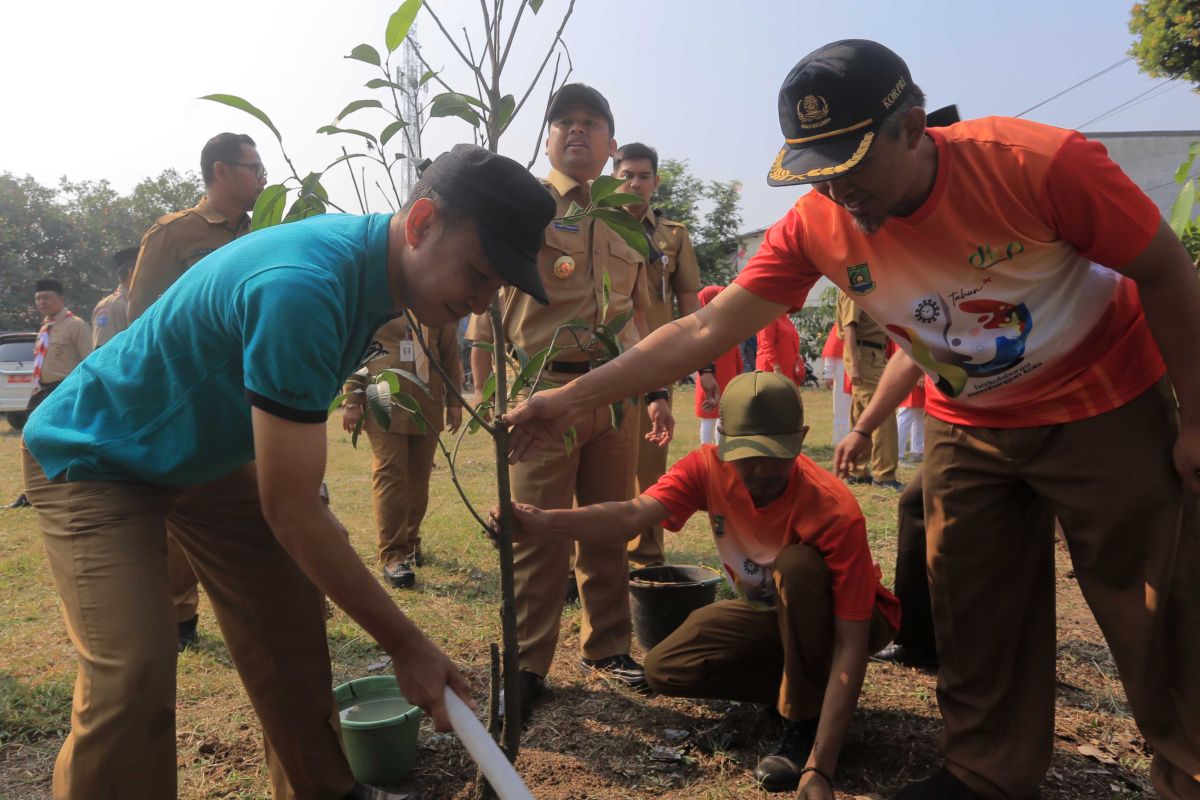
564 267
813 111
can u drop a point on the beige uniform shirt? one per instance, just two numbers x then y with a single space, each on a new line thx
403 351
110 317
849 312
673 272
572 263
70 342
173 245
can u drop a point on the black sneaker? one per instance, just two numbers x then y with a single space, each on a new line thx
21 502
400 576
852 480
941 785
907 656
572 589
894 485
780 770
532 687
620 668
187 633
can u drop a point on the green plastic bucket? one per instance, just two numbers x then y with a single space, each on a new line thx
379 729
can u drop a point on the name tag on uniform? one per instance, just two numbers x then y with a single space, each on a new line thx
566 226
407 351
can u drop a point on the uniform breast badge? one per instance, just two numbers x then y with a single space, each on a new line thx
564 267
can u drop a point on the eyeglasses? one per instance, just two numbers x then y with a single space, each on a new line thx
258 169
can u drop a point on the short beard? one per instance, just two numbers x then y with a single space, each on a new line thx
869 225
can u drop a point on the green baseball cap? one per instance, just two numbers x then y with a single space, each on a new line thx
761 415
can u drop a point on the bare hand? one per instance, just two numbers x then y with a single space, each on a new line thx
1187 456
350 417
829 383
855 377
711 390
528 522
454 415
850 452
423 672
662 421
814 787
538 421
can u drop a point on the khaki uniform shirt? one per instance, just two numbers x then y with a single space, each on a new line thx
173 245
849 313
110 317
572 263
673 272
70 342
403 351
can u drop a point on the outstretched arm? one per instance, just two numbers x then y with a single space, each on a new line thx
602 522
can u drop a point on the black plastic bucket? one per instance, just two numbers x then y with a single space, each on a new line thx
662 597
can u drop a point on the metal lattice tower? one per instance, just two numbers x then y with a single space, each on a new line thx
408 75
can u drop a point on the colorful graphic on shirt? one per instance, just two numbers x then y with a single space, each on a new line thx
982 337
859 276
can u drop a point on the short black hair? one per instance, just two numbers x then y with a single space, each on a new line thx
891 123
224 147
636 150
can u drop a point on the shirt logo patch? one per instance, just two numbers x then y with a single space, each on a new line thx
565 226
859 276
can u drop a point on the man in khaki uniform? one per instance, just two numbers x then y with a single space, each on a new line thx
404 452
865 355
672 274
111 315
234 176
603 461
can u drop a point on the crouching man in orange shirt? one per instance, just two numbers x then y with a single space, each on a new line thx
793 543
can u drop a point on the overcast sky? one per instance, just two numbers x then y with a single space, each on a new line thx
109 90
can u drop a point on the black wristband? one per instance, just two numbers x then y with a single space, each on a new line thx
819 772
657 394
866 436
711 369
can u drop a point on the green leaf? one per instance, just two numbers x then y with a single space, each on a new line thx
340 159
624 225
338 401
425 78
474 425
522 356
612 345
332 129
453 104
534 365
1185 168
364 52
378 401
489 388
268 208
400 23
535 5
409 404
607 296
487 346
504 111
603 186
391 130
381 83
358 104
617 199
358 426
570 438
617 411
411 378
575 210
242 105
619 322
1181 209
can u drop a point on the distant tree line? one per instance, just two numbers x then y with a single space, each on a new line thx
712 212
69 232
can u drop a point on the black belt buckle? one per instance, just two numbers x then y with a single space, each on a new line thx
871 345
571 367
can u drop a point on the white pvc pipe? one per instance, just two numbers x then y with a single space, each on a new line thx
490 758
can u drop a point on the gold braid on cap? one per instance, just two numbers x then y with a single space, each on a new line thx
781 173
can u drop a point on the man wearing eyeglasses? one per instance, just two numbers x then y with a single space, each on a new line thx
234 176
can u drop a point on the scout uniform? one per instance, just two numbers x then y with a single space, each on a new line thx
63 341
671 270
602 463
403 454
170 248
111 316
173 245
872 358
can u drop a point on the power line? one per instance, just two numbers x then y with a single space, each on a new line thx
1161 88
1109 68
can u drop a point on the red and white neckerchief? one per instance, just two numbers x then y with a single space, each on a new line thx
40 348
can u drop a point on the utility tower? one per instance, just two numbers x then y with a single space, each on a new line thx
408 76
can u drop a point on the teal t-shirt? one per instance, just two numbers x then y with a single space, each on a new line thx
277 319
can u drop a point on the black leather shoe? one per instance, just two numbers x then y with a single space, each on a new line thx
907 656
187 633
532 687
941 785
572 589
400 576
895 486
619 667
21 502
780 770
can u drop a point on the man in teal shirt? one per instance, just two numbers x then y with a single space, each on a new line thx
210 413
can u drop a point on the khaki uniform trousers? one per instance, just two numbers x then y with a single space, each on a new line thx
885 442
735 650
400 480
185 587
646 549
107 550
599 468
991 495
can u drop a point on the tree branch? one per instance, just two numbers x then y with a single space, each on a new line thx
353 182
469 62
553 44
424 63
450 387
512 33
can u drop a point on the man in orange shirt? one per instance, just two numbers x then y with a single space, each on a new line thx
793 543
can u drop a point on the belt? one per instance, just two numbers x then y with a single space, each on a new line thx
571 367
871 345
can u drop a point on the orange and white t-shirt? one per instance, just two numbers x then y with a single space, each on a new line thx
999 286
816 509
